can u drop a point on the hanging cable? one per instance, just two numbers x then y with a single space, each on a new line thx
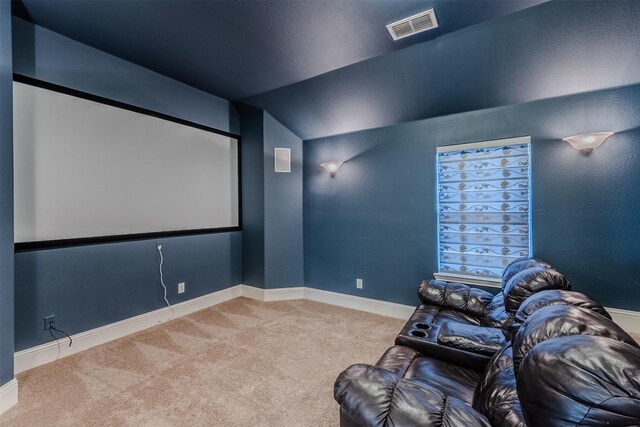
164 287
53 328
162 277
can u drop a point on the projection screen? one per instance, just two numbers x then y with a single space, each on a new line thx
88 169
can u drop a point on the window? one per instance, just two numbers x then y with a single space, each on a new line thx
484 207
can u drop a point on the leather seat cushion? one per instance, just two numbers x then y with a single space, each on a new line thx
449 379
436 315
497 396
476 339
398 359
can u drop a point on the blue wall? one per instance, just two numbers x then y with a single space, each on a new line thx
272 236
377 218
284 261
6 197
252 196
89 286
49 56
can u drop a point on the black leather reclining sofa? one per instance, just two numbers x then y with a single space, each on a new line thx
468 325
563 361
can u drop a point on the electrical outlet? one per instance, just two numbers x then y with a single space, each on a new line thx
48 321
359 283
181 288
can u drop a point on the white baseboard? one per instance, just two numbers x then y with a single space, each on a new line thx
626 319
282 294
252 292
51 351
279 294
8 395
384 308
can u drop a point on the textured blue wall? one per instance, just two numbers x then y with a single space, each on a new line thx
377 218
252 196
49 56
6 197
284 261
89 286
272 236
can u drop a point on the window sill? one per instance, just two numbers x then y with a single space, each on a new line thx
469 280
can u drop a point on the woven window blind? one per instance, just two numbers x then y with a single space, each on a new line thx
483 209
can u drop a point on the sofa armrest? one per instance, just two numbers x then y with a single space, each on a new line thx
476 339
374 397
456 296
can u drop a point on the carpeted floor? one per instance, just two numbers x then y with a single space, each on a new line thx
240 363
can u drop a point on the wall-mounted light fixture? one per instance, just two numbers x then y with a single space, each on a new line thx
586 142
331 167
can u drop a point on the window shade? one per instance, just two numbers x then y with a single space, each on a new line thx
483 208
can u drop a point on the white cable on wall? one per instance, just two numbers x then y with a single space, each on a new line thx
162 280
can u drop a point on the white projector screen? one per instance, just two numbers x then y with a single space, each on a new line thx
86 171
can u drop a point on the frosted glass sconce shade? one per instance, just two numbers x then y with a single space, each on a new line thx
586 142
331 167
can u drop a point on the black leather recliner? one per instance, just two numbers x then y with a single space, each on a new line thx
455 320
443 301
567 365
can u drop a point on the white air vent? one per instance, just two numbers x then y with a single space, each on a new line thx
415 24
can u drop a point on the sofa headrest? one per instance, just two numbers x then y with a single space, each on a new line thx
555 297
563 320
581 380
457 296
516 266
529 281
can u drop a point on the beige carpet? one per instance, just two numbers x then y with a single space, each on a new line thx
240 363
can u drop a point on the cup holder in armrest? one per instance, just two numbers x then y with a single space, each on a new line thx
417 330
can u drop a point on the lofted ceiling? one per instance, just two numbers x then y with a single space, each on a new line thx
239 49
555 49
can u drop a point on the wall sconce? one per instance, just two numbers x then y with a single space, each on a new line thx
331 167
586 142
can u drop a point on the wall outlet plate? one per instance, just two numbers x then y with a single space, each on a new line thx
48 320
181 286
359 283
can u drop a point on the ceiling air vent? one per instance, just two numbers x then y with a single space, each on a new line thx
415 24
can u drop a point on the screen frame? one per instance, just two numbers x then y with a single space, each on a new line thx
82 241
